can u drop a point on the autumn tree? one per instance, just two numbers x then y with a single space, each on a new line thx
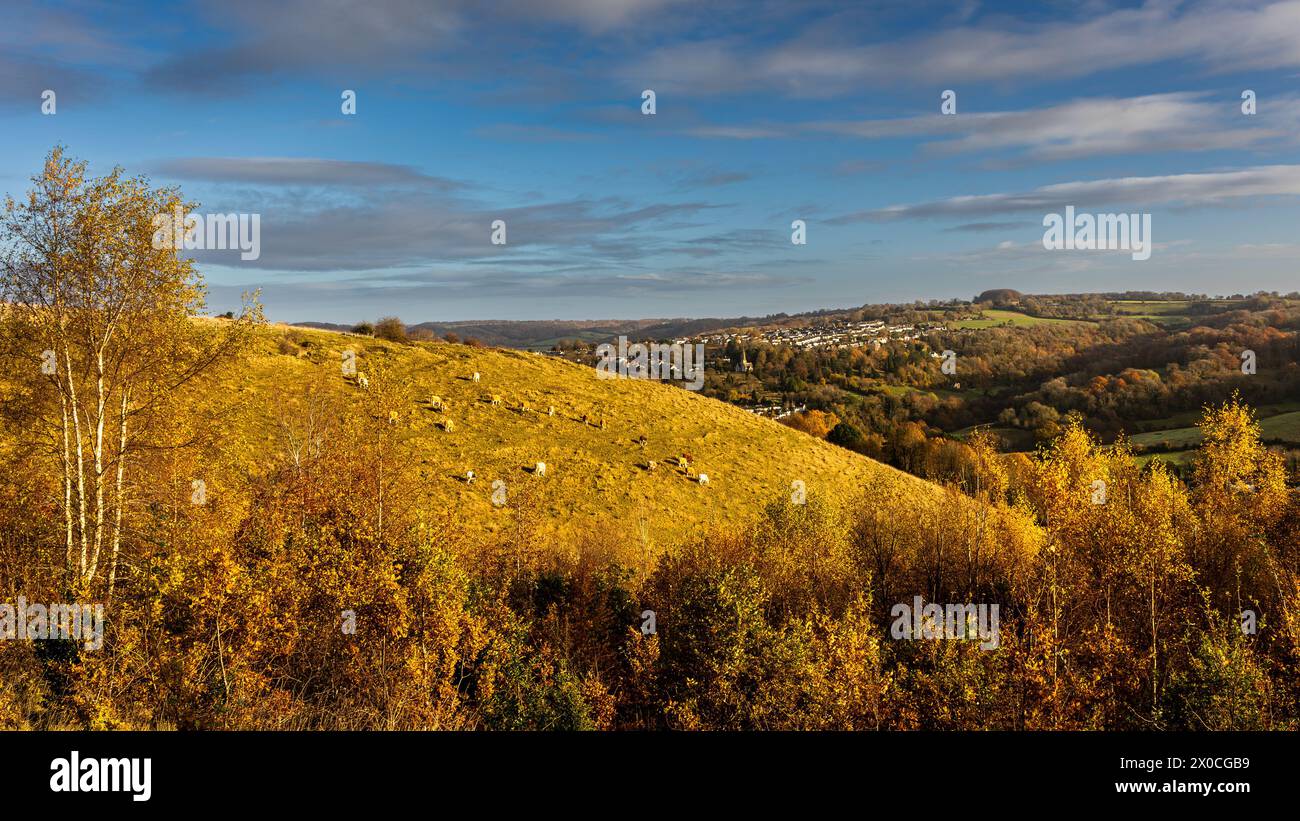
1242 501
391 329
102 319
814 422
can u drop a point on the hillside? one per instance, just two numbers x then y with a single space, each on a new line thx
542 334
593 475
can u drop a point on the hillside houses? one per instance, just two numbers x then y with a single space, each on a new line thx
775 411
830 334
834 334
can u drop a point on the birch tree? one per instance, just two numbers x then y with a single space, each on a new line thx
107 320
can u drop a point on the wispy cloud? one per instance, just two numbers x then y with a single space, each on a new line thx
986 227
299 171
332 215
1149 124
270 40
821 61
1124 192
1155 123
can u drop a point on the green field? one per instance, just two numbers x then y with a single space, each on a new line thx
994 318
1188 419
1172 314
1015 439
1174 437
939 393
1283 427
1143 308
1178 458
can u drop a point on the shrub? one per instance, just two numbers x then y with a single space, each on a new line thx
846 436
391 329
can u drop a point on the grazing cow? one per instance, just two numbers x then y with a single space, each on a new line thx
495 400
363 381
475 376
704 478
392 417
550 411
523 407
449 426
602 423
650 465
469 477
437 404
540 470
585 419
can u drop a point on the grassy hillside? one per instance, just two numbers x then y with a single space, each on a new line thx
1189 419
594 475
994 317
1282 427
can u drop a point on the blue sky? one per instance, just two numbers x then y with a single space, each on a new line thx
530 113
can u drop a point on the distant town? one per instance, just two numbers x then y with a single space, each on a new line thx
837 333
828 334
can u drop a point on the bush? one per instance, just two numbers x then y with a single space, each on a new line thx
846 436
391 329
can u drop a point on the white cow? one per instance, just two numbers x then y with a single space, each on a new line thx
540 470
704 478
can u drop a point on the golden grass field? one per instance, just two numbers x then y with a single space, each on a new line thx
594 476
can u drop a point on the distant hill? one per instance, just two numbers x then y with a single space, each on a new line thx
542 334
1000 296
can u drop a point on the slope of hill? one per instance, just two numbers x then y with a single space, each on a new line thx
542 334
593 474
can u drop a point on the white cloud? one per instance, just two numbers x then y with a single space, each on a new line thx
1216 36
1124 192
1188 121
